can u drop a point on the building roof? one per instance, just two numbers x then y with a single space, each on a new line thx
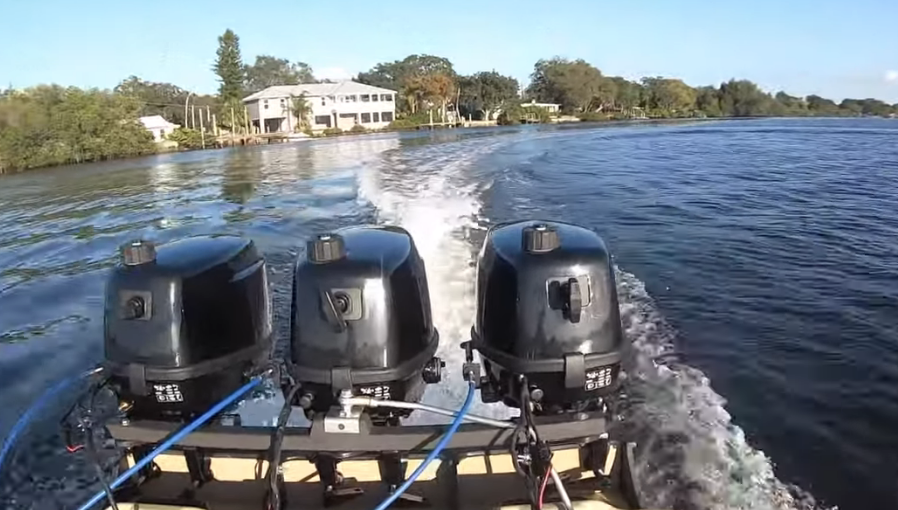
317 89
156 122
534 103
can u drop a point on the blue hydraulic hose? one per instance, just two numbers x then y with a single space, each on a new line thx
436 451
195 424
41 401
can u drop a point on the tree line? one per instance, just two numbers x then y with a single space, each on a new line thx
51 125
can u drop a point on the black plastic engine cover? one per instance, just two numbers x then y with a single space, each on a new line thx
186 322
547 309
361 317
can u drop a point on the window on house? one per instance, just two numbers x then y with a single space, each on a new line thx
323 120
350 99
323 101
374 97
386 116
162 134
366 118
266 105
366 98
386 97
376 116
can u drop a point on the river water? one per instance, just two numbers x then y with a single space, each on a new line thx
757 266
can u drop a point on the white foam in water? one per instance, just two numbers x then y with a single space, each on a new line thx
437 203
691 455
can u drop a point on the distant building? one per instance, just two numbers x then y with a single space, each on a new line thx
158 127
550 107
341 105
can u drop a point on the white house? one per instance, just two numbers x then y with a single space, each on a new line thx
343 105
158 127
550 107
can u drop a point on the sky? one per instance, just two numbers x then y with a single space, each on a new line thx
833 48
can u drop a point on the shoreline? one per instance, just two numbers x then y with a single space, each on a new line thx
427 127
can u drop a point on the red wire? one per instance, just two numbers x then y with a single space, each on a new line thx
542 489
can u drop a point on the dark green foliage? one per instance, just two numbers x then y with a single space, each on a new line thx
707 101
514 113
301 109
413 79
400 124
742 98
575 84
165 99
358 128
52 125
593 117
481 94
187 138
229 68
269 71
334 131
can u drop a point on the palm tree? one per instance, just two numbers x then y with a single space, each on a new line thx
301 110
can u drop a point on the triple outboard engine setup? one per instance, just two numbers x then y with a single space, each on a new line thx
188 331
547 316
185 324
361 320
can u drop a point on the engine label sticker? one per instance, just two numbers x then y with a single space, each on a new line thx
168 393
599 378
380 392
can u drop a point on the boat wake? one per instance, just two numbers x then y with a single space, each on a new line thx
426 191
690 454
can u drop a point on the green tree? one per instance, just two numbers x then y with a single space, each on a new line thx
821 106
165 99
707 101
742 98
409 78
229 68
52 125
627 94
671 96
187 138
485 91
576 85
301 110
791 105
269 71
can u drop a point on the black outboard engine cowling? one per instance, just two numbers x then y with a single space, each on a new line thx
547 310
361 320
185 324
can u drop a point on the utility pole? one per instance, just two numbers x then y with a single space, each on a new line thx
202 130
193 114
233 123
246 118
185 107
214 125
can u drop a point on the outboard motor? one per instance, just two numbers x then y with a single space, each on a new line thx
547 314
361 320
185 324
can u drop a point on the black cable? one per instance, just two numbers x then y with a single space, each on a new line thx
92 454
95 460
65 422
523 436
277 442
